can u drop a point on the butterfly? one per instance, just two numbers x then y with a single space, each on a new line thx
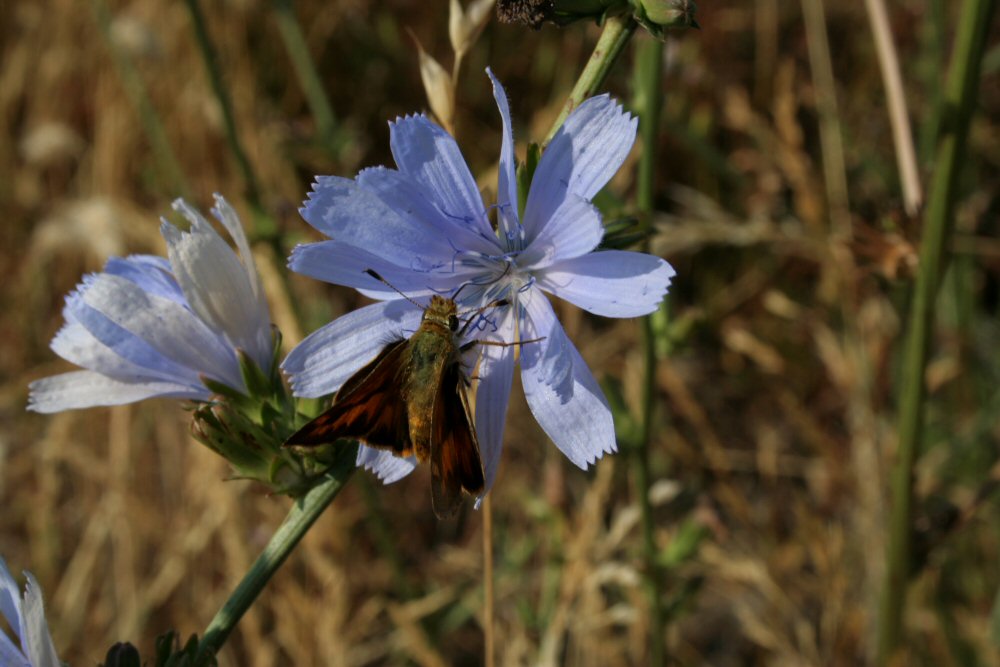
412 400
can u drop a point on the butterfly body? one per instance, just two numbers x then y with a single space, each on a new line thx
411 400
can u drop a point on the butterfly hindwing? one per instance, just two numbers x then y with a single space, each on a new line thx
368 407
455 460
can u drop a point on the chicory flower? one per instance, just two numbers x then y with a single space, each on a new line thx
423 226
148 327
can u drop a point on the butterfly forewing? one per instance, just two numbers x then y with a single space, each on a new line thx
369 407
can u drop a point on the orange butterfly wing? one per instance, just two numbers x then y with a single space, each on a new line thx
368 407
455 460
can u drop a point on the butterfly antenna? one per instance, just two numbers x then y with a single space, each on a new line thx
379 278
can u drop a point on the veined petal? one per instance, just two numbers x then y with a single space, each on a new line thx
76 344
387 467
612 283
87 389
36 640
581 158
330 355
217 285
562 393
262 336
10 655
437 236
166 326
430 156
506 174
84 347
150 272
381 209
496 373
549 360
343 264
573 230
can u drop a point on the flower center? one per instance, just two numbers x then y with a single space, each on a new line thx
494 277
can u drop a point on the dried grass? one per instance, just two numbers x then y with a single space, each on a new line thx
776 406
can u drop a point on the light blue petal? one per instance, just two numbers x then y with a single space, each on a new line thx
76 344
87 389
561 391
429 155
382 210
581 158
220 288
37 640
135 351
573 230
387 467
174 331
330 355
343 264
150 272
506 174
259 345
10 655
611 283
496 373
10 599
437 237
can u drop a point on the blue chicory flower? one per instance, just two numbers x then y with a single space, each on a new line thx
425 229
148 327
26 617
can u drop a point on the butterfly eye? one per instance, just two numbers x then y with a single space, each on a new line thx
453 322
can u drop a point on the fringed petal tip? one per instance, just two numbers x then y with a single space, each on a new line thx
386 466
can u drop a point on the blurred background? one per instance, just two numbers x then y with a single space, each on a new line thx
779 205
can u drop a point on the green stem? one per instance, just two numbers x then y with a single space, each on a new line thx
649 70
305 70
959 101
617 32
208 55
300 518
138 94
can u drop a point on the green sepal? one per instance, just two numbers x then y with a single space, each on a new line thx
256 382
170 653
225 391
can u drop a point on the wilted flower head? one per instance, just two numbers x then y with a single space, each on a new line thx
26 617
147 327
424 228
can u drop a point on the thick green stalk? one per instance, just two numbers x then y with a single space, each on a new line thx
617 32
649 70
300 518
211 61
959 101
